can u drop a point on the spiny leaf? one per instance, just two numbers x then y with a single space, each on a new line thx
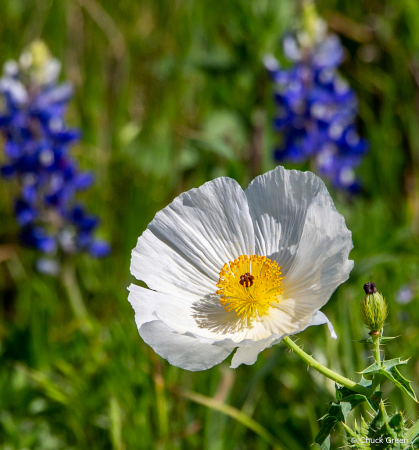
351 402
387 338
380 418
338 412
400 381
382 340
389 370
346 407
373 368
342 392
385 365
327 424
397 423
365 383
326 444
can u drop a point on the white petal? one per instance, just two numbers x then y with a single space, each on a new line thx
297 224
188 242
140 301
206 319
321 262
15 89
278 204
182 351
248 355
319 319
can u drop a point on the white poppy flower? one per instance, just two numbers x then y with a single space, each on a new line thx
230 268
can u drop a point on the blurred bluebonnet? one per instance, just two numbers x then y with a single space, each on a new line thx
37 145
316 108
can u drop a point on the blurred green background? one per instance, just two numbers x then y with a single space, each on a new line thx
171 94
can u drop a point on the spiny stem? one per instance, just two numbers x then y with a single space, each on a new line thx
376 344
325 370
377 357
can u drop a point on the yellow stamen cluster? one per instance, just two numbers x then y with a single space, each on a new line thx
249 285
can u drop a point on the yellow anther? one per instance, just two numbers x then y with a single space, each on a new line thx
250 285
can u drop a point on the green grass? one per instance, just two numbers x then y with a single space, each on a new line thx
171 94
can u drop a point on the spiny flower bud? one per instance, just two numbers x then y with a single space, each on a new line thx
374 309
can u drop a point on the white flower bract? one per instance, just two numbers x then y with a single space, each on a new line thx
229 268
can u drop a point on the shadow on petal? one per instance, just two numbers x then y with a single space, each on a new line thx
210 314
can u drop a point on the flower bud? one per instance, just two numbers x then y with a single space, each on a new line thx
374 309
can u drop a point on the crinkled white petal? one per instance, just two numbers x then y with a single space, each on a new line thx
297 225
142 304
319 319
249 355
180 350
206 319
187 243
321 262
278 204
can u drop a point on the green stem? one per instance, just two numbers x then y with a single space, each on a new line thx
343 381
377 357
376 344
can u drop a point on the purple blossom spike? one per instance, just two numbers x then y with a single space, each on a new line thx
316 108
37 150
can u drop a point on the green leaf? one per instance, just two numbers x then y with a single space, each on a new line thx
365 341
382 340
351 402
389 370
380 418
342 392
400 381
338 412
397 423
385 365
346 407
347 400
365 383
327 424
373 368
326 444
387 338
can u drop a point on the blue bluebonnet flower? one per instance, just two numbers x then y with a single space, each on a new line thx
37 147
316 108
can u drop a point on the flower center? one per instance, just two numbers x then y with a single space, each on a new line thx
249 285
